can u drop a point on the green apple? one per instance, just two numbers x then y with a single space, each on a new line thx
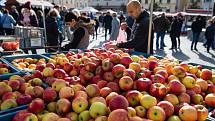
36 82
131 112
189 82
174 118
141 111
4 88
79 104
98 109
147 101
51 107
9 103
135 58
197 99
84 116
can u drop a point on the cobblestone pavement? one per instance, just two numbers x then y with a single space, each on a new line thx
184 53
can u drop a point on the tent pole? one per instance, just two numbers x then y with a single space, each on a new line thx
44 23
150 26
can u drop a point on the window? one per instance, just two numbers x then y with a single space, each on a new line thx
168 1
146 1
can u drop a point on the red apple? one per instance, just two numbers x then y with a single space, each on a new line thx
156 113
99 71
158 90
118 115
110 96
184 98
211 88
206 74
108 76
63 106
90 66
126 83
118 70
102 83
176 87
60 73
125 60
202 112
36 106
67 67
107 65
49 95
118 102
188 113
163 73
24 99
129 72
152 65
51 65
133 97
210 99
37 74
157 78
179 71
143 84
114 86
115 58
93 90
167 107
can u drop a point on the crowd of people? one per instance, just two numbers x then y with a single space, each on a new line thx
129 32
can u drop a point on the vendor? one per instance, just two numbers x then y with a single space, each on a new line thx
139 36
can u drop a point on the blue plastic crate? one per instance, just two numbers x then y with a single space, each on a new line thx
9 116
210 118
8 59
13 70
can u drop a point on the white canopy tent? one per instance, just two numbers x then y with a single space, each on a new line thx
37 3
89 9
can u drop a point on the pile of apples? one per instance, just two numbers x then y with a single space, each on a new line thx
27 64
111 85
17 91
4 69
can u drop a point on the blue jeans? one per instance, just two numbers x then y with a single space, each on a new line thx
195 39
160 35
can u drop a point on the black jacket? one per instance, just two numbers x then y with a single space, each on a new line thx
162 24
197 26
139 37
52 31
107 21
210 31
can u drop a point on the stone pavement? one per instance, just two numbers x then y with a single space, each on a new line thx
184 53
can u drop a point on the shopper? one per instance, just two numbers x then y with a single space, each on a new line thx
40 18
162 24
126 29
209 34
107 23
96 27
52 30
14 13
174 32
28 16
115 26
59 25
196 26
140 30
8 23
180 24
81 32
101 21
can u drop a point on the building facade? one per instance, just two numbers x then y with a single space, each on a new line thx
71 3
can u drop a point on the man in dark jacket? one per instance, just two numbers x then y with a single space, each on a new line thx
196 26
139 37
209 34
161 26
14 13
107 23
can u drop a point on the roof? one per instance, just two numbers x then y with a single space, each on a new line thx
36 3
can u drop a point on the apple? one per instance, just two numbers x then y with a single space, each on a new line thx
58 84
38 92
74 72
152 65
51 65
9 95
196 89
14 84
193 69
129 72
179 72
203 84
131 112
167 107
125 60
156 113
67 67
115 58
174 118
110 96
66 92
49 94
30 91
60 73
25 116
188 113
172 77
206 74
135 66
133 97
163 73
96 79
92 90
140 111
114 86
79 104
105 91
90 66
108 76
36 106
7 104
101 118
172 99
82 94
143 84
176 87
211 88
184 98
37 74
48 72
24 99
158 90
118 115
148 101
36 82
157 78
99 71
202 112
126 83
84 116
51 107
63 106
197 99
63 119
185 66
97 99
118 70
72 116
50 117
210 99
98 109
102 84
118 102
107 65
4 88
189 82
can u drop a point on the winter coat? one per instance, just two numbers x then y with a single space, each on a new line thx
197 26
115 28
107 21
162 24
7 21
52 31
33 21
210 32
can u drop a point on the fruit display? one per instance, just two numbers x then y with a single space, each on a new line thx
19 90
4 69
112 85
10 46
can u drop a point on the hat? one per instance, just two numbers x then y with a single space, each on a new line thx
27 5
